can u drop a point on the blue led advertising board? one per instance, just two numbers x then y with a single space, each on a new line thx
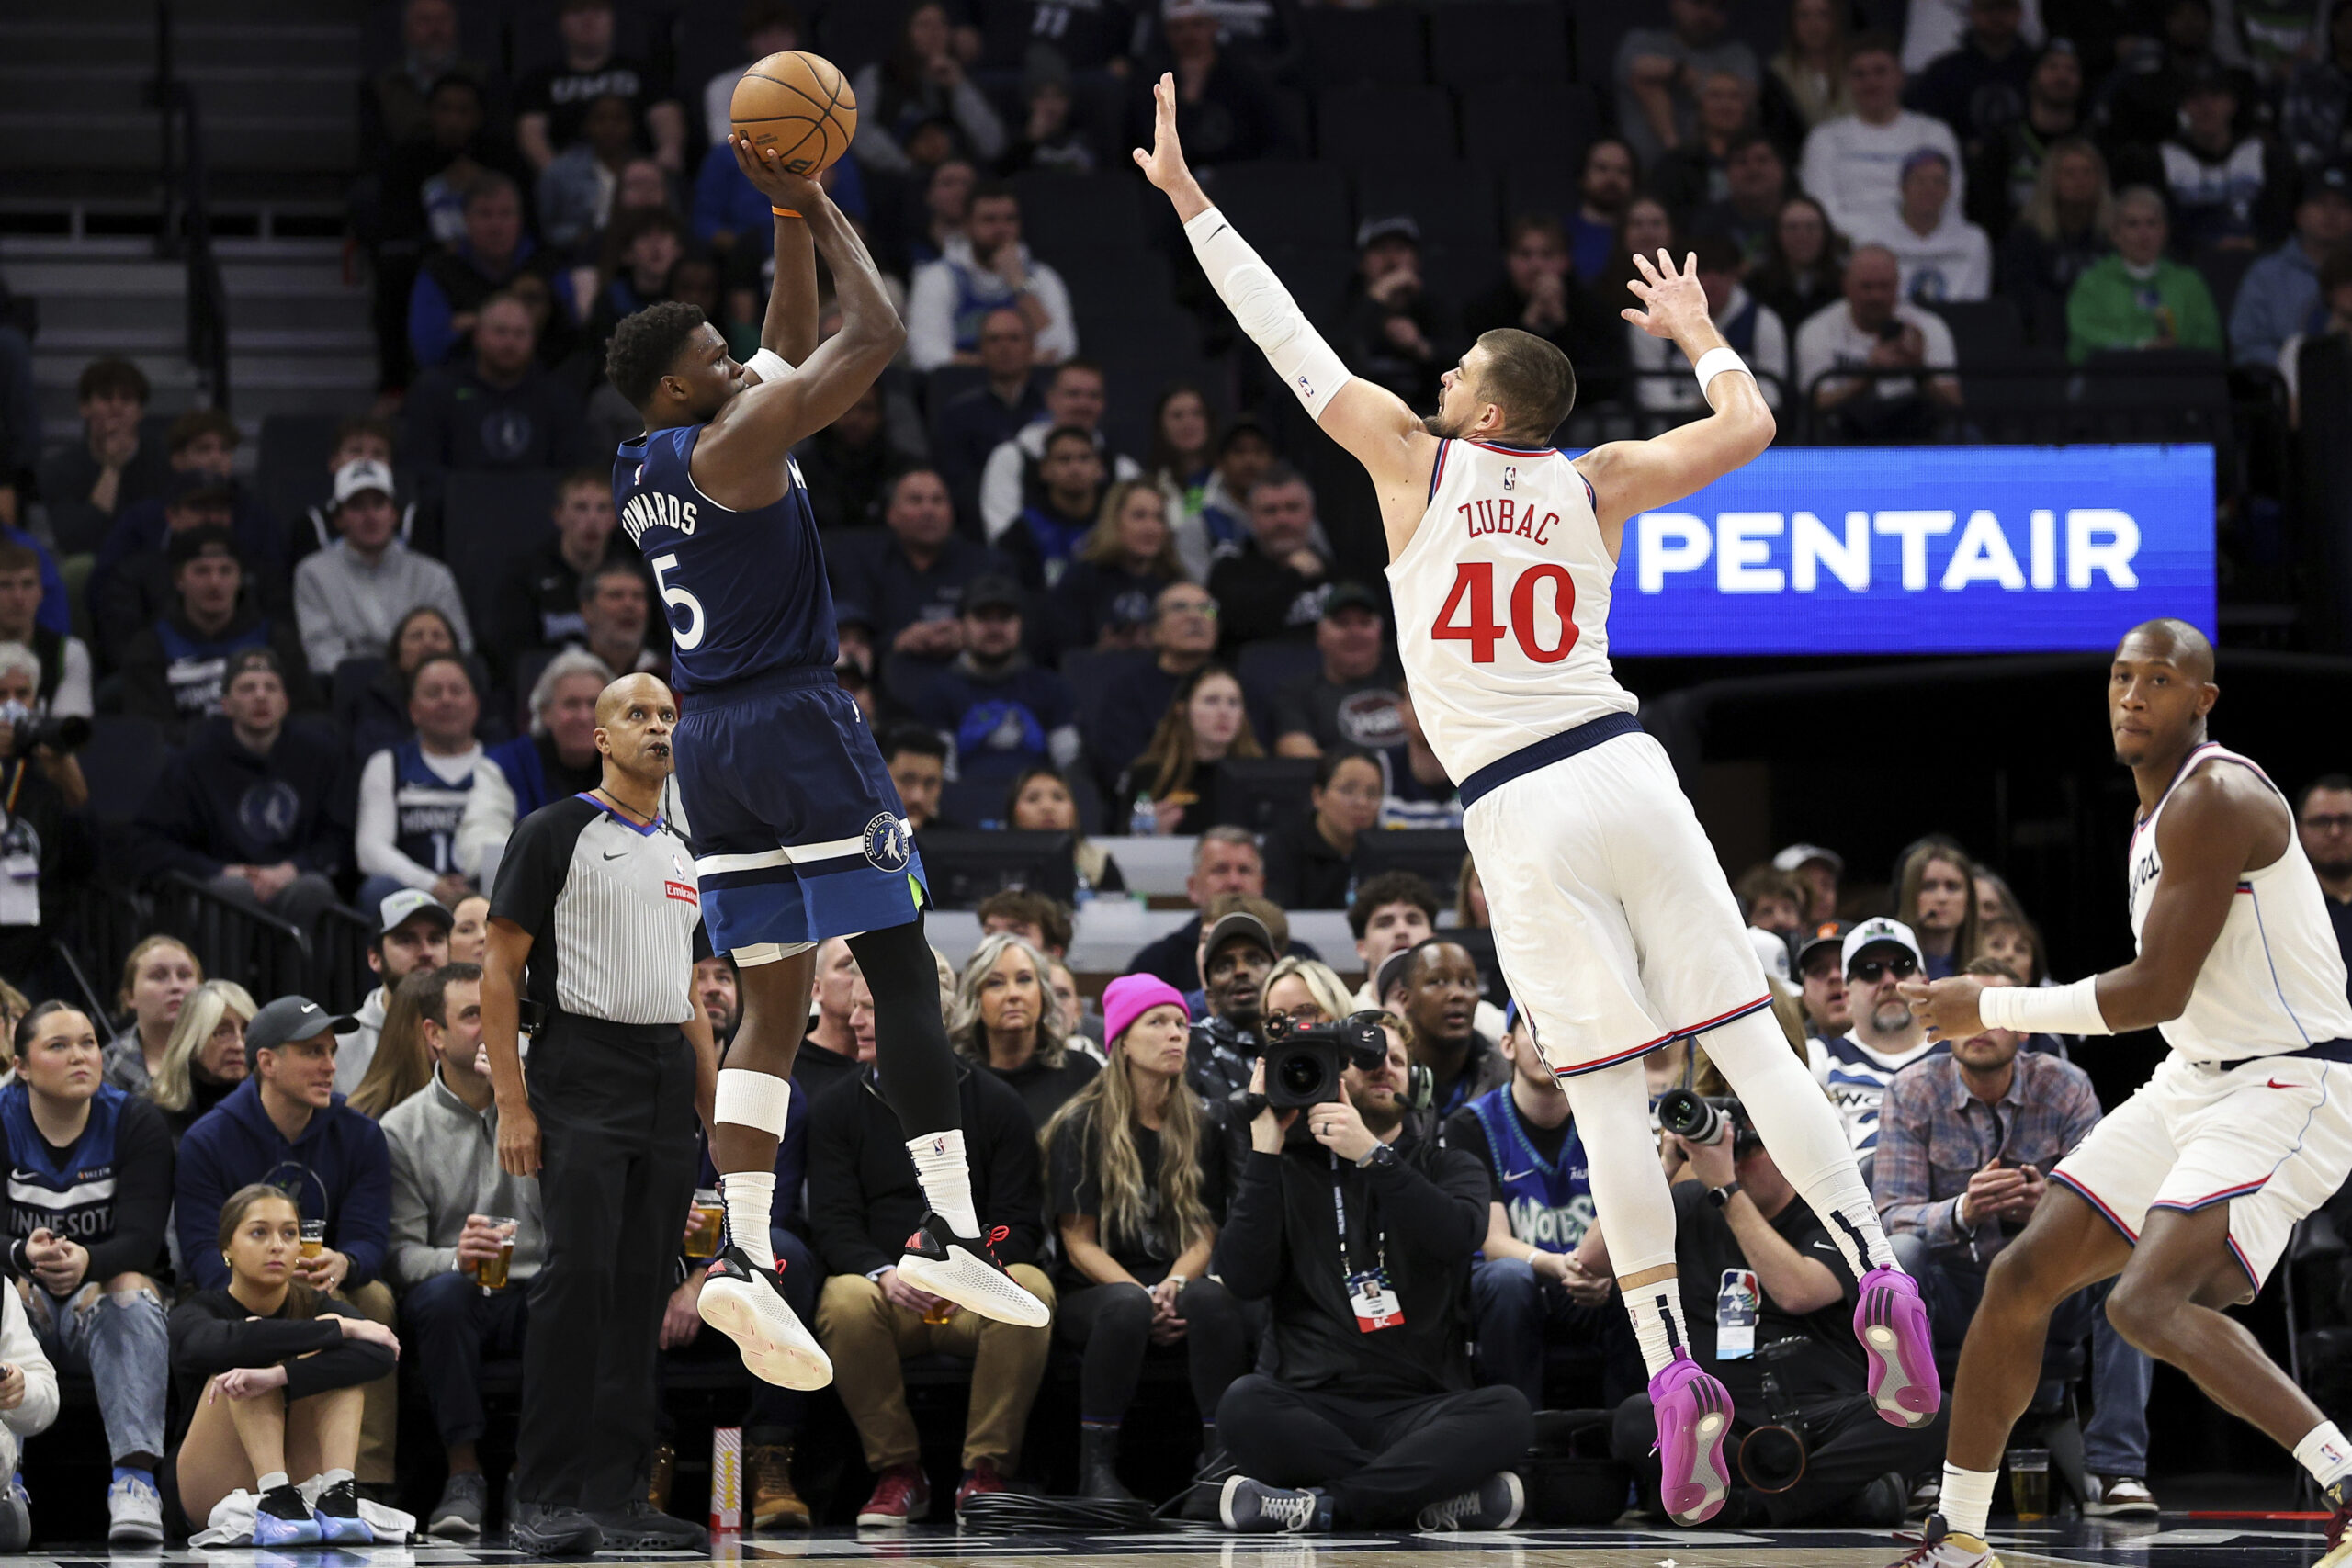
1933 549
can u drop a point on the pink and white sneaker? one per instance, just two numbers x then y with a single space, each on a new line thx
1693 1418
1892 1323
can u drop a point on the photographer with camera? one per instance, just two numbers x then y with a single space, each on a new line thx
1359 1232
41 795
1771 1308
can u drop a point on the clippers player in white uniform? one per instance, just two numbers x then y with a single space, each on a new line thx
2187 1191
1612 920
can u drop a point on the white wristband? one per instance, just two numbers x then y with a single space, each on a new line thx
769 365
2044 1009
1714 362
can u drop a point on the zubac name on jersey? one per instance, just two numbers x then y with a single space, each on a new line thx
653 509
1486 516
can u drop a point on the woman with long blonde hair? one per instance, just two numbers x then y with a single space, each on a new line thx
1134 1184
1007 1020
403 1063
205 1058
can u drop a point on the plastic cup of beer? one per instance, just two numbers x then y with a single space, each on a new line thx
941 1311
709 1214
2030 1483
314 1237
491 1272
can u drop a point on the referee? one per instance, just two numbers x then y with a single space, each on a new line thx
594 929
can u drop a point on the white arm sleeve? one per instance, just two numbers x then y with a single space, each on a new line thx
1266 311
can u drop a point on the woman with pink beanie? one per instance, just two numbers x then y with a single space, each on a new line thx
1135 1186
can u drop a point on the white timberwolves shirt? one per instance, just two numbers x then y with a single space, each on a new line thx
1502 605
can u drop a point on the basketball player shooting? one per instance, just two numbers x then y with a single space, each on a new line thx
2185 1196
799 832
1611 918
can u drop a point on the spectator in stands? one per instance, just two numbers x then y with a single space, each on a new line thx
1942 255
2280 294
402 1063
356 440
1647 227
2227 191
131 584
1010 479
1005 1020
910 575
2324 823
1040 801
1442 991
1771 899
1051 137
1391 912
2061 232
1311 862
1116 572
1738 1216
1538 292
1224 105
134 589
413 795
2139 297
831 1051
249 808
350 598
1694 172
87 484
469 928
1659 72
1182 461
1528 1289
2313 119
375 714
559 757
1225 860
1180 774
974 422
1853 162
1878 954
444 306
1001 712
1245 933
1803 268
450 1203
395 101
1272 584
847 466
1182 636
639 255
615 618
1756 185
1132 1184
1855 334
1604 186
1306 992
1936 897
1058 509
543 595
66 690
985 268
1393 330
498 412
411 938
718 991
1817 869
576 191
90 1185
1367 1416
1753 328
1038 919
2334 313
2007 167
862 1200
156 980
1978 86
921 80
1817 959
204 1060
427 171
946 203
770 27
552 104
916 756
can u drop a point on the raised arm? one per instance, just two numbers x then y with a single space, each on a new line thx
1633 477
789 331
1371 423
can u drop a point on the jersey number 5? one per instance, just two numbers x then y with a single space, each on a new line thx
688 636
1475 581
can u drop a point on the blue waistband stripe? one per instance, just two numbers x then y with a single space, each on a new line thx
1545 752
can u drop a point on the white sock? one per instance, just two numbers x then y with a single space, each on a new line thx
947 1179
1966 1499
749 1195
270 1483
1807 1141
333 1478
1656 1311
2325 1454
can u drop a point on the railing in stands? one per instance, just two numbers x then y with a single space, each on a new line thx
99 924
340 978
186 233
267 955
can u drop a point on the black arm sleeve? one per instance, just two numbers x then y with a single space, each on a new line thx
1249 1247
143 1194
342 1364
1444 1211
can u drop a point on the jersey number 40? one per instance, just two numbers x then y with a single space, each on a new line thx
1474 581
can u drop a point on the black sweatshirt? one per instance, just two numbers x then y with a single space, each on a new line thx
213 1332
1281 1241
865 1199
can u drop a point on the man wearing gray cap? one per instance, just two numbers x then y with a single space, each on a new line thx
349 597
1816 871
413 936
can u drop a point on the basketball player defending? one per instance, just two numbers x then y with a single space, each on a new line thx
2189 1192
1611 918
799 834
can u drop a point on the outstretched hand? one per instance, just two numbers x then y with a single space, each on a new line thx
764 167
1164 163
1673 301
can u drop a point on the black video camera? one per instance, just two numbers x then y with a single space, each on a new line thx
1701 1119
27 731
1303 1066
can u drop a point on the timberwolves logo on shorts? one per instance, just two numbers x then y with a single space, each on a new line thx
888 844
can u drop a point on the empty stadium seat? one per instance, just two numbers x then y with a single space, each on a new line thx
290 469
1452 202
490 523
1984 331
1385 125
1277 203
1060 211
1601 27
1475 41
1548 186
1382 45
1104 278
122 762
1530 122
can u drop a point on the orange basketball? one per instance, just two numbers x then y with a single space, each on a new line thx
798 104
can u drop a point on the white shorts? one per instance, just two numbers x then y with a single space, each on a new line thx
1612 922
2268 1136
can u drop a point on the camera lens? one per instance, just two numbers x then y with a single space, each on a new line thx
1300 1074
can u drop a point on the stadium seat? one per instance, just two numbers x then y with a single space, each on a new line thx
1265 668
1092 672
122 762
1316 276
856 34
1277 203
1385 125
1104 278
291 469
1547 123
490 523
1382 45
1457 274
1453 203
1984 331
639 33
1473 42
2224 271
1060 211
1601 26
944 384
1548 186
710 39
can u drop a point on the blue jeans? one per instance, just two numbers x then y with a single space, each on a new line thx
448 1323
1513 1315
2115 1439
120 1341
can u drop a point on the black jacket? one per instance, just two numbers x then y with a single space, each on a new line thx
865 1199
1281 1244
212 1332
218 802
1259 597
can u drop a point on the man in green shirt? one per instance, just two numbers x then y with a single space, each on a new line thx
2139 297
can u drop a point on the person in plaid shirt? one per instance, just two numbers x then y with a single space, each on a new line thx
1965 1144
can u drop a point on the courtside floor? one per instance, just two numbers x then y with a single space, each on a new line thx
2183 1541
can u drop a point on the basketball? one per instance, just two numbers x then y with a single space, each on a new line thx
798 104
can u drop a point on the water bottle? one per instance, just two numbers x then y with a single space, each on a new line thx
1143 822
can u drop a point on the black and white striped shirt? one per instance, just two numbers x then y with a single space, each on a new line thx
612 909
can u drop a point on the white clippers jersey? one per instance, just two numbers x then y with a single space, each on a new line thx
2273 982
1502 605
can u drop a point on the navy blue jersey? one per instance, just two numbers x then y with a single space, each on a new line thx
745 591
428 808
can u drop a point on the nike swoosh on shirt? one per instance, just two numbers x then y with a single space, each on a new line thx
1518 1175
615 854
2274 1083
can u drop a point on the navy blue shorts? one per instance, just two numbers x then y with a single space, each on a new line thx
799 832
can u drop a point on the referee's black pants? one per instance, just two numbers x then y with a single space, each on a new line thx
616 1105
